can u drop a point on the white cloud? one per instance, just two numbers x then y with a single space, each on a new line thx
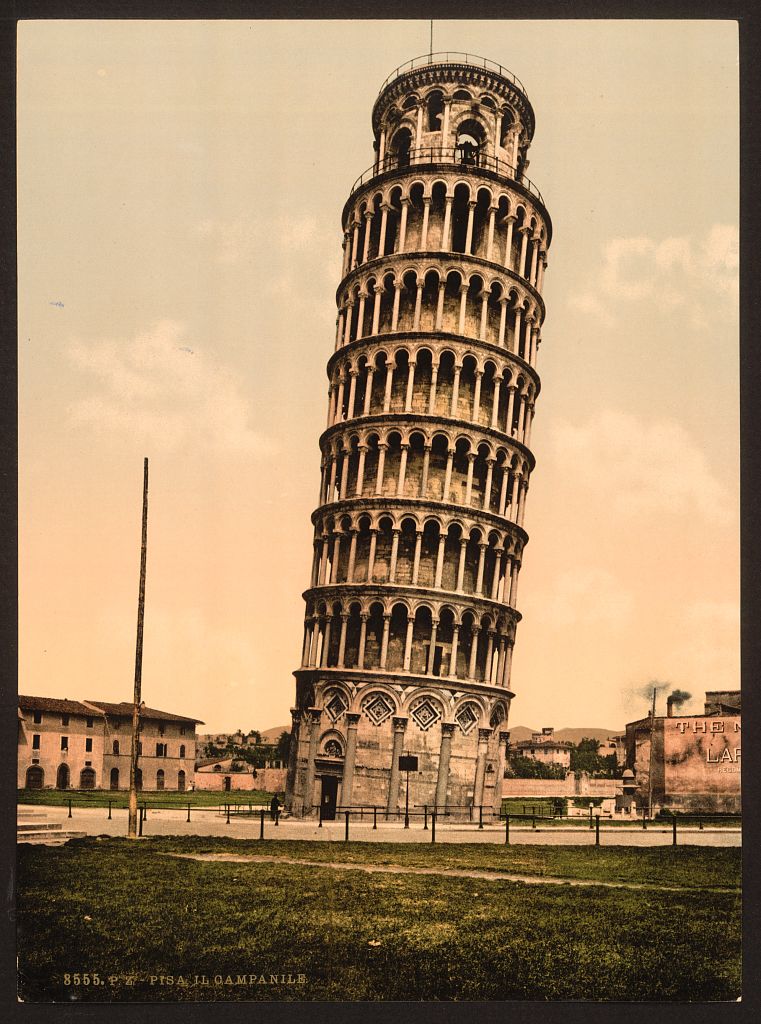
639 467
583 596
627 271
296 232
669 273
588 302
162 387
229 240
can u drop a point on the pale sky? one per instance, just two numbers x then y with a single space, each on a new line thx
180 193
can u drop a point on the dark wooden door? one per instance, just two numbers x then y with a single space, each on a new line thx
329 797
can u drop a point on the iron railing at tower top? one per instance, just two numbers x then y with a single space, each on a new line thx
472 159
454 58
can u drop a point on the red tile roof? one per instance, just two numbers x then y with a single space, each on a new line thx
72 707
94 708
125 708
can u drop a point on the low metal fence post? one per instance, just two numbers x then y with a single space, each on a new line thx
188 818
346 834
425 819
375 817
69 806
319 824
228 814
433 826
480 816
507 829
673 836
597 830
261 824
109 810
141 817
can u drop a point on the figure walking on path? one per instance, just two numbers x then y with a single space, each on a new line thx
274 807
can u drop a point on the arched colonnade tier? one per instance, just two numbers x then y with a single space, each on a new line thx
430 551
493 393
410 464
431 214
340 703
398 634
449 300
446 97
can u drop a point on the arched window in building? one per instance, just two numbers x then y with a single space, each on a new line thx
470 140
160 779
435 111
401 145
114 780
35 777
87 778
181 780
62 777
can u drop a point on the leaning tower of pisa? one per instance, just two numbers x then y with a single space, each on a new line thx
411 610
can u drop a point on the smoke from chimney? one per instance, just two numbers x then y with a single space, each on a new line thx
675 699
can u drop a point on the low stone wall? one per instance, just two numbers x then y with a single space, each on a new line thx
271 780
568 787
268 780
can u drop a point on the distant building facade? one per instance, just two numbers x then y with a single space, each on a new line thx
70 744
689 763
616 746
544 747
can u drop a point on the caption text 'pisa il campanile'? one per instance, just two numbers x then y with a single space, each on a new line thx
426 458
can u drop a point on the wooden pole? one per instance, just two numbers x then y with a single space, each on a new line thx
652 761
133 765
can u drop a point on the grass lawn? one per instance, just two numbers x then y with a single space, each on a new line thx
124 910
120 798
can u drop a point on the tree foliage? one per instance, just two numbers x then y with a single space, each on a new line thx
283 744
529 768
585 758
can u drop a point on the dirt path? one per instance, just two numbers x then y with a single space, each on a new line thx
399 869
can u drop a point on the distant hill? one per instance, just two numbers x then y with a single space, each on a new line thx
575 735
273 735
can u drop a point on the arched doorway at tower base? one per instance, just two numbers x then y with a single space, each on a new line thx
328 797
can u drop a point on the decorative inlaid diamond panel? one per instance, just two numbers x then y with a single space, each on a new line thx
336 706
425 713
377 707
467 717
497 717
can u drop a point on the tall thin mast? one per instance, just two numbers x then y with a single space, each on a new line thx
652 760
132 820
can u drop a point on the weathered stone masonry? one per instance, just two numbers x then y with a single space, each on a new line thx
418 534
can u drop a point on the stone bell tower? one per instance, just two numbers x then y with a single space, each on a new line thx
411 610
